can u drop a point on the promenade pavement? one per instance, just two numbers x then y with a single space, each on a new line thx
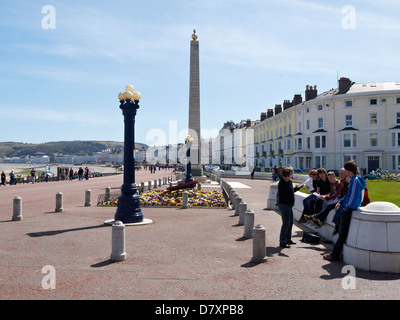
186 254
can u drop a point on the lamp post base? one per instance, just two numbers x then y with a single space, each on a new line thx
129 210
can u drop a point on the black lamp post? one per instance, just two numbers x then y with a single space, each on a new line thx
188 142
129 210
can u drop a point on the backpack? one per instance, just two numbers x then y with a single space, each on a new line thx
310 237
366 199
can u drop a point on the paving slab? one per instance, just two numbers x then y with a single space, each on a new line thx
185 254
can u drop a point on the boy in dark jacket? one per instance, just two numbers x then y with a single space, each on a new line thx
285 204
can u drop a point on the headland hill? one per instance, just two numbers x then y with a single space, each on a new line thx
21 149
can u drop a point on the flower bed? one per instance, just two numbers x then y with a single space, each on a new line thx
196 198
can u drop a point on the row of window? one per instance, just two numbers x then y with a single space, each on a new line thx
349 103
348 140
373 120
318 161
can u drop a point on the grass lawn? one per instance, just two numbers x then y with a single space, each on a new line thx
381 190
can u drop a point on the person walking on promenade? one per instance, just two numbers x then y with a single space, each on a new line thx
275 173
33 175
3 179
80 173
345 206
12 178
285 204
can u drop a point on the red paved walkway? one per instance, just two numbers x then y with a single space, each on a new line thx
185 254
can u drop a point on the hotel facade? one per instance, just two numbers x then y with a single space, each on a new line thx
359 121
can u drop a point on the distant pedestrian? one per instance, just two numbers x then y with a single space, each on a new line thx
12 178
80 173
3 179
252 173
71 174
275 173
87 173
33 175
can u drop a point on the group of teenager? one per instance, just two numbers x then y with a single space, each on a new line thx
326 193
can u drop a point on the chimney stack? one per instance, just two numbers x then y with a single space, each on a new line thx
297 99
278 109
311 92
248 123
263 116
270 113
287 104
344 85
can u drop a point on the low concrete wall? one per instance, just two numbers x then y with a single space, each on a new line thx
373 243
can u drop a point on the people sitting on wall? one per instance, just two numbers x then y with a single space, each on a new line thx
309 202
323 189
338 189
345 206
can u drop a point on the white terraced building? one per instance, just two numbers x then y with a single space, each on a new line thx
359 121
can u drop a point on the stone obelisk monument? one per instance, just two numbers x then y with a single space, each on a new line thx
194 109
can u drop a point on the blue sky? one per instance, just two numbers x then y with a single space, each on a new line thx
62 83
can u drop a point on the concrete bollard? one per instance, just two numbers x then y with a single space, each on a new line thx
142 187
185 198
233 199
242 210
199 186
155 184
107 194
248 223
259 244
159 183
59 202
88 198
17 209
118 242
149 185
238 201
229 191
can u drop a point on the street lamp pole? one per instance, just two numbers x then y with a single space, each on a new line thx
128 210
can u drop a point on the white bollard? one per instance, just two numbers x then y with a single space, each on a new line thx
238 201
233 199
17 209
59 202
248 224
242 210
118 242
107 194
259 244
88 198
185 198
